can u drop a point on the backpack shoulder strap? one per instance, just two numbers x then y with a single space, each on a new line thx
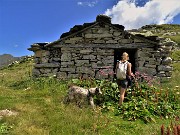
126 62
117 64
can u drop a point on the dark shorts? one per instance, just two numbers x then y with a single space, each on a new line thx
122 83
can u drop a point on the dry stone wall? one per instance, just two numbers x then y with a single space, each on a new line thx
156 62
68 62
164 70
85 62
47 62
75 63
104 35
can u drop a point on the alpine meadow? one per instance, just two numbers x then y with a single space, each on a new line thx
34 106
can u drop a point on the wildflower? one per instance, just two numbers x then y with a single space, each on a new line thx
162 130
168 131
53 76
27 88
111 73
107 70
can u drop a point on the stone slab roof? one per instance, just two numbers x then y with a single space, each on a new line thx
101 20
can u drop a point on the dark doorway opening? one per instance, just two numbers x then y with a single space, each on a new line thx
132 56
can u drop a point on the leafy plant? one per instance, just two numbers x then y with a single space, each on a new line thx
144 100
4 128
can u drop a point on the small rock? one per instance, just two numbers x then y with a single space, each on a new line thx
7 112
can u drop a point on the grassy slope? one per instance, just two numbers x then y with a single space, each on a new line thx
159 30
41 111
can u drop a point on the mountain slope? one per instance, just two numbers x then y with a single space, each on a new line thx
7 59
171 31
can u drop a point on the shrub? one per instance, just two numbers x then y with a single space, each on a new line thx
144 100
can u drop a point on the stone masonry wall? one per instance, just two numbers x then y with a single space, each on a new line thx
164 70
86 62
156 62
47 62
68 62
73 62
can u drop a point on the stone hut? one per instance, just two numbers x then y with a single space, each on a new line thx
92 49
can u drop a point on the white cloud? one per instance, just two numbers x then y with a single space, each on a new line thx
127 13
80 3
16 45
87 3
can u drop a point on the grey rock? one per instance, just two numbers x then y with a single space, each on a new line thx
81 62
47 65
66 57
165 68
167 61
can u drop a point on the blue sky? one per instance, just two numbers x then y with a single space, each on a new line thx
24 22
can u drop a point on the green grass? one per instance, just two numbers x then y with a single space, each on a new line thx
176 57
174 38
41 111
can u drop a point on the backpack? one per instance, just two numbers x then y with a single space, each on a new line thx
121 70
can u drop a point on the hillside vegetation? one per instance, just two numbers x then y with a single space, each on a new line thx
7 59
39 108
171 31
